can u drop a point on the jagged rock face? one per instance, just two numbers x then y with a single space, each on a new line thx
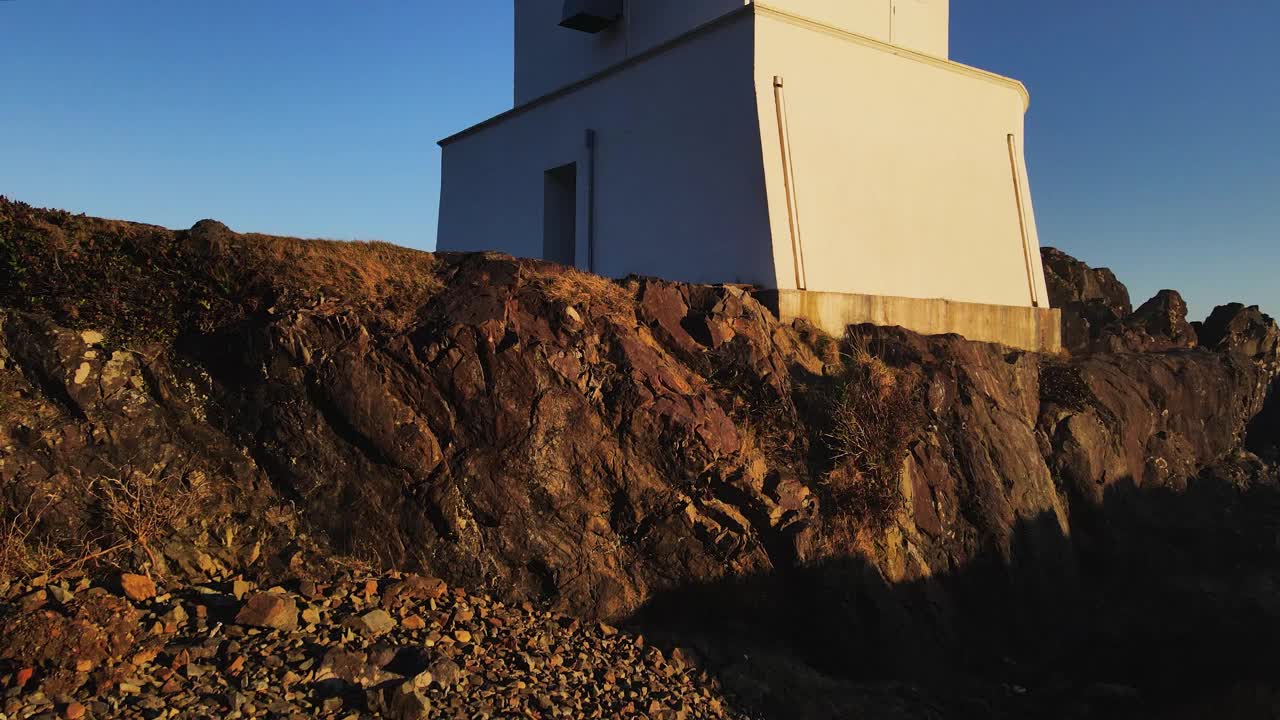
643 450
1071 281
1097 315
1264 430
1248 332
76 412
1159 325
1238 329
1091 299
551 447
1145 419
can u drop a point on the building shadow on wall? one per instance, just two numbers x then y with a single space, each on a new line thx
1164 602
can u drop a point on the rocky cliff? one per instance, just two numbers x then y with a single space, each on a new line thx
819 519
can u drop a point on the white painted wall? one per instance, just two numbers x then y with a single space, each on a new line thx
923 26
548 57
680 187
920 25
904 182
871 18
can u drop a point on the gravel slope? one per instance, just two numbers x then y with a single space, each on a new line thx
404 647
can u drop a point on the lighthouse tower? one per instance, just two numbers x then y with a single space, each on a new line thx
826 152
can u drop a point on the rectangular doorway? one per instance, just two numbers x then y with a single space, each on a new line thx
560 214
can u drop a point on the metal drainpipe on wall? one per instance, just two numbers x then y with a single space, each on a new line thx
591 200
1015 166
788 181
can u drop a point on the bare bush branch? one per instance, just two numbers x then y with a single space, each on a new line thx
140 508
20 554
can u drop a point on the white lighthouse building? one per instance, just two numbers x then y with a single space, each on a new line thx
826 152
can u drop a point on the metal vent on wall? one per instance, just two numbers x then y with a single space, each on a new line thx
591 16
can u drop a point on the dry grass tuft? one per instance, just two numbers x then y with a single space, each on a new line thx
352 270
874 416
145 283
595 294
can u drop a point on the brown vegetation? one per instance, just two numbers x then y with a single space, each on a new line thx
875 412
135 511
139 509
587 293
21 554
144 283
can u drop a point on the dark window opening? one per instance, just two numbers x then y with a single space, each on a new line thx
560 215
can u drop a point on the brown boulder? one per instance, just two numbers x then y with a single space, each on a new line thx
1159 325
1072 281
269 610
1091 299
413 588
1235 328
373 623
409 704
137 587
352 666
1165 317
208 238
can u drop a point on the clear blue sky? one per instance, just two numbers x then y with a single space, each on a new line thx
1153 138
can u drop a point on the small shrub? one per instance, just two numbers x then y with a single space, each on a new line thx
140 508
20 554
755 402
874 414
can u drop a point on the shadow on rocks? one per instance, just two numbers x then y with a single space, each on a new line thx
1165 603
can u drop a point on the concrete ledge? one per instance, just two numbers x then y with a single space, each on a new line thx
1025 328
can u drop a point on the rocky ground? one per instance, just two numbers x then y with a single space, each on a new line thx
880 525
403 647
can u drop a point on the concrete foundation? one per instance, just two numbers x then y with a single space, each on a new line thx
1024 328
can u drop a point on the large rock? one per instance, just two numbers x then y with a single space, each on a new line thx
1235 328
409 704
1071 281
1159 325
1091 299
1145 419
1250 333
1165 317
137 588
272 610
373 623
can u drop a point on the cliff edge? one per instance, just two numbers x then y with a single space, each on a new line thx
822 522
